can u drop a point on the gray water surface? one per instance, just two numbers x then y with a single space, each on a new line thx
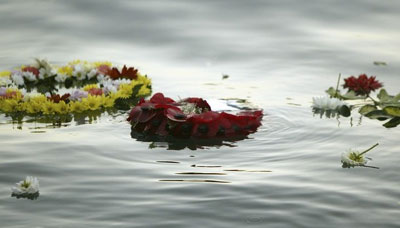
278 54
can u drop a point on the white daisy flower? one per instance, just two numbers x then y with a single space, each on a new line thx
326 103
355 158
23 91
190 108
28 186
109 87
29 76
18 79
102 77
120 81
61 77
92 73
42 73
4 81
79 72
78 95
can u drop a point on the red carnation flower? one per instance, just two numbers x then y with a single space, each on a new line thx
129 73
362 85
95 91
31 69
56 98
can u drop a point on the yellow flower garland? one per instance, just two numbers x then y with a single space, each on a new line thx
16 100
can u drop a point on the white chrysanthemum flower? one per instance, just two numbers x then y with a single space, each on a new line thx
42 73
4 81
120 81
29 76
77 95
28 186
102 77
61 77
23 91
79 72
31 95
327 103
92 73
108 86
18 79
353 158
190 108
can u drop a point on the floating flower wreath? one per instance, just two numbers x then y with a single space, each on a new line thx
189 118
33 90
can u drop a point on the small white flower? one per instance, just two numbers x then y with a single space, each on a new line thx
78 95
120 81
29 76
190 108
28 186
4 81
353 158
356 158
18 79
42 73
109 87
23 91
326 103
79 72
61 77
102 77
92 73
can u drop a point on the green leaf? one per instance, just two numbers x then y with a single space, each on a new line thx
68 82
332 92
122 104
392 110
135 90
366 109
396 98
384 96
351 95
344 111
378 114
392 123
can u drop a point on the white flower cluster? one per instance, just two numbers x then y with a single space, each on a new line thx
353 158
80 71
327 103
28 186
4 81
190 108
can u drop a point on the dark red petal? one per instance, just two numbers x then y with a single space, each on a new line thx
31 69
175 115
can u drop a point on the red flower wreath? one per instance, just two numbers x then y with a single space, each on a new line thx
162 116
362 85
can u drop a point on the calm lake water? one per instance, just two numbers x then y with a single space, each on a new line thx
278 54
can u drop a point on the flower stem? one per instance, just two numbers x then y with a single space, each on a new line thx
337 85
375 102
372 147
